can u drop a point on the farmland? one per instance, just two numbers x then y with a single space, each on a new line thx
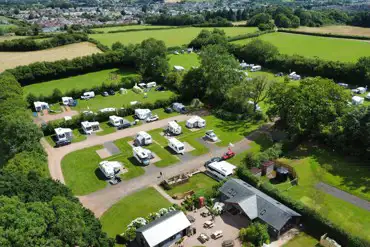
172 37
87 81
127 27
185 60
313 46
344 30
10 60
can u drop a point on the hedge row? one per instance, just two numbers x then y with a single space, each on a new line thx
249 35
141 29
313 221
332 35
75 123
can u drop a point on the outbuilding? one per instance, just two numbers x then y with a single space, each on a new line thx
40 106
89 127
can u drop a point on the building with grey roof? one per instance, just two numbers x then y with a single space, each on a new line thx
243 198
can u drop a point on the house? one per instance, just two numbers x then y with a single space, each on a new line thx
195 122
110 168
220 170
178 68
164 231
40 106
63 134
89 127
357 100
246 200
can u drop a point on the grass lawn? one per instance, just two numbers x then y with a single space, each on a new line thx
313 46
313 165
185 60
172 37
302 239
199 183
127 27
120 100
106 129
139 204
77 137
167 158
85 81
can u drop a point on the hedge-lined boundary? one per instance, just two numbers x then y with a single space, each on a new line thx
314 222
144 29
249 35
329 35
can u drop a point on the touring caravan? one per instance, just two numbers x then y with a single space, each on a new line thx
88 95
110 168
143 138
68 101
174 128
176 145
294 76
142 113
178 68
40 106
179 107
357 100
221 170
89 127
63 134
151 84
142 155
256 68
195 122
115 120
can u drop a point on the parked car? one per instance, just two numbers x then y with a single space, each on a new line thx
190 218
168 110
210 135
228 155
62 143
105 94
208 224
217 234
111 92
160 88
203 238
228 243
214 159
152 118
279 74
124 125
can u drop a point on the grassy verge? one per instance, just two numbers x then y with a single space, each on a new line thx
106 129
167 159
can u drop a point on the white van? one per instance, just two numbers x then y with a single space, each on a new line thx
174 128
88 95
151 84
176 145
256 68
143 138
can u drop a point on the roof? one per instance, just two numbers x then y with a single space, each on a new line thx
256 204
115 118
175 142
223 167
164 227
109 166
195 119
61 131
173 124
88 124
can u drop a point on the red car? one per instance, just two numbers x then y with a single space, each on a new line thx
228 155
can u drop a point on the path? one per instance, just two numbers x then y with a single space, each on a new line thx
165 195
343 195
51 117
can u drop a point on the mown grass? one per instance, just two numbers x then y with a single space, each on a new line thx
139 204
312 46
167 158
127 27
185 60
302 239
172 37
106 129
199 183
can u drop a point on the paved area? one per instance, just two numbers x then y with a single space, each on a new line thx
285 238
343 195
51 117
112 149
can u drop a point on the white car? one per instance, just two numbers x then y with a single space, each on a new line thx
152 118
210 135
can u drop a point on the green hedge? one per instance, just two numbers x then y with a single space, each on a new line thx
331 35
315 223
249 35
141 29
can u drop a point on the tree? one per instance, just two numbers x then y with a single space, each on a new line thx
258 51
205 37
151 59
282 20
255 233
261 18
259 88
57 95
26 161
193 84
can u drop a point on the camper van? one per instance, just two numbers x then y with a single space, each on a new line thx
151 84
63 134
195 122
221 170
176 145
143 138
89 127
88 95
110 168
179 107
174 128
142 155
256 68
142 113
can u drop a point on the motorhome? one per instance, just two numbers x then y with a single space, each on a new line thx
67 101
179 107
88 95
221 170
256 68
63 134
195 122
151 84
143 138
294 76
176 145
89 127
110 168
40 106
142 155
174 128
142 113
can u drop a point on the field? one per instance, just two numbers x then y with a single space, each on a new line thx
128 27
313 164
301 240
140 204
79 82
344 30
185 60
10 60
172 37
343 50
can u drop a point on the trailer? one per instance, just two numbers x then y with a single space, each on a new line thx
143 138
174 128
143 113
40 106
142 155
110 168
88 95
256 68
176 145
179 107
195 122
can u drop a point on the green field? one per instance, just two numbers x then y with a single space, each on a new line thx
314 164
85 81
312 46
199 183
127 27
185 60
302 240
172 37
140 204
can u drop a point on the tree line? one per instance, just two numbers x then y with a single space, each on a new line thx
29 199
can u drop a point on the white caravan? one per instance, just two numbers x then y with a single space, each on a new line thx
105 110
179 107
294 76
115 120
256 68
357 100
151 84
142 155
63 134
89 127
143 138
178 68
67 100
195 122
174 128
110 168
176 145
88 95
221 170
39 106
142 113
